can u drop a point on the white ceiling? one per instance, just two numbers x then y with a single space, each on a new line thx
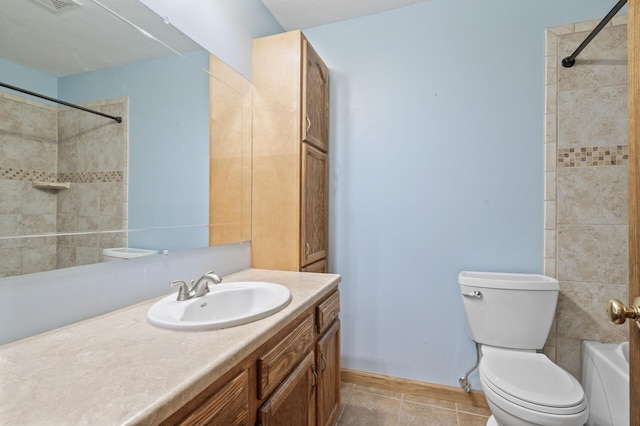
88 37
300 14
83 38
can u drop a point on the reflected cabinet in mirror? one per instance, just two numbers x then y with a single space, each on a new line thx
73 183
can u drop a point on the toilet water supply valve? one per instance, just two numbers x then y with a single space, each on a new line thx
464 381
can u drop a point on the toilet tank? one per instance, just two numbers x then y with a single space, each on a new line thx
509 310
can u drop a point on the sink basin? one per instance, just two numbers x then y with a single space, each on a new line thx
226 305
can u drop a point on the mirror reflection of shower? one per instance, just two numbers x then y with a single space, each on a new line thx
63 172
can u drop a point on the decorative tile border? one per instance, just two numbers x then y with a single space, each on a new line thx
617 155
91 177
79 177
19 174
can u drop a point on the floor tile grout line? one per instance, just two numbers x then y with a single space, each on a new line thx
344 404
399 409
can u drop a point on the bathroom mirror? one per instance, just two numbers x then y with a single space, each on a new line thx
73 183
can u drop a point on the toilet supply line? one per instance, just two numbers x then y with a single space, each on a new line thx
464 381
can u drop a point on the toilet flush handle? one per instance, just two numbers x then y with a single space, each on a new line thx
475 294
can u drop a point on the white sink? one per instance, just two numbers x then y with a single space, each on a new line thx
226 305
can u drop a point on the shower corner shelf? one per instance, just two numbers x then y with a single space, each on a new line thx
51 185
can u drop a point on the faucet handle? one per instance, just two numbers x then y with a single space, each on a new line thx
183 293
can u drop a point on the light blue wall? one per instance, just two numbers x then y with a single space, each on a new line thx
436 159
168 143
27 78
168 138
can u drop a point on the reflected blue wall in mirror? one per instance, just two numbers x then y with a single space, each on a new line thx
168 143
168 138
21 76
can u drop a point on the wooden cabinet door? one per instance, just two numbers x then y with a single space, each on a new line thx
315 98
319 267
227 407
315 196
328 366
293 403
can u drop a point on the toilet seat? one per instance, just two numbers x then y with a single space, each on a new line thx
531 381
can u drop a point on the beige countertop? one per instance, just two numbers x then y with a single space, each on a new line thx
118 369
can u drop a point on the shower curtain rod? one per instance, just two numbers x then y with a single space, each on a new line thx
570 60
38 95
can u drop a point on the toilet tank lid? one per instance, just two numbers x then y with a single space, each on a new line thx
508 281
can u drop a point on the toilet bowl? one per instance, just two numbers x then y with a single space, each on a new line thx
510 316
526 388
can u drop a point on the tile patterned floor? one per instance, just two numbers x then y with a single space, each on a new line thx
372 406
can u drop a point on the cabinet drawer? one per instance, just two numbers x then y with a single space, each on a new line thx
328 311
228 406
274 365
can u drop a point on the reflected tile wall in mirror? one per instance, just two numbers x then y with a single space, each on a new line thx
42 142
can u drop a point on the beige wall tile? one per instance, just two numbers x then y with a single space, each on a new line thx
550 157
593 195
87 255
11 117
68 126
551 74
39 123
568 356
550 130
562 29
550 267
39 223
11 261
550 215
551 44
586 25
593 253
550 186
592 117
550 249
602 63
551 96
581 312
38 259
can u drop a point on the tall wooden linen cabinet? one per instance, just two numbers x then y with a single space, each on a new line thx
290 145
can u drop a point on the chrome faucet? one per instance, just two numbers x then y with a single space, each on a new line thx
198 288
201 287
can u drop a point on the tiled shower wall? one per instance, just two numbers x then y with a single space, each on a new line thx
586 222
41 142
93 156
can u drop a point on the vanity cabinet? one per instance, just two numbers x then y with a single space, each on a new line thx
294 401
327 351
315 193
290 145
228 406
293 379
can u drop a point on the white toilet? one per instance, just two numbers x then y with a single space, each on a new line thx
510 316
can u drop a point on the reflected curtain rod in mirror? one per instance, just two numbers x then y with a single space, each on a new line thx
38 95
